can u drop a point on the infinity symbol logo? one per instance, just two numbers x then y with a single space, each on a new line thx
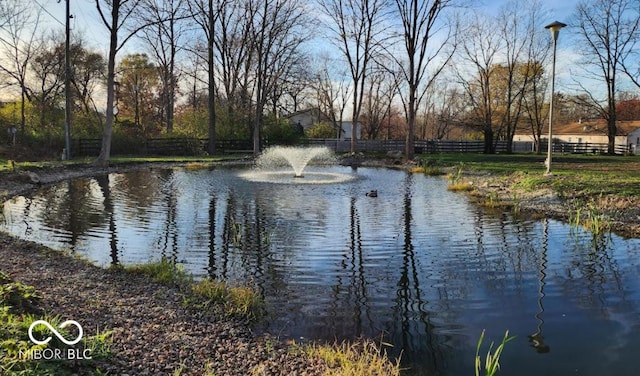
55 332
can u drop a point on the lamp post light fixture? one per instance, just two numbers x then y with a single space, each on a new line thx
555 30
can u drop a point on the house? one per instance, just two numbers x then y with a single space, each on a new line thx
311 116
307 118
591 132
347 128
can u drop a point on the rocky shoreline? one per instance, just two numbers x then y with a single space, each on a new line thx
622 214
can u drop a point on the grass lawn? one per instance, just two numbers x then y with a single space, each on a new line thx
119 160
573 175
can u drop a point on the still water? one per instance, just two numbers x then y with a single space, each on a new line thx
418 266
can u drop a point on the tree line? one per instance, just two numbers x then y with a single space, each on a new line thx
232 69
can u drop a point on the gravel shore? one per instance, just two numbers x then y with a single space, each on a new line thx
154 333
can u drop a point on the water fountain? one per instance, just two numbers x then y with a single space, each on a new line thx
286 164
296 157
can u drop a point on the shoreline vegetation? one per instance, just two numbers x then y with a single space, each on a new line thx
153 319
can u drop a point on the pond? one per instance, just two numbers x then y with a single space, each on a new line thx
417 266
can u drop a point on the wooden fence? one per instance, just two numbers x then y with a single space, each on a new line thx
159 146
198 146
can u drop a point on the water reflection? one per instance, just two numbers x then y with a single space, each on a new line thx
418 266
537 339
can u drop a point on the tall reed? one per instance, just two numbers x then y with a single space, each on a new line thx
492 360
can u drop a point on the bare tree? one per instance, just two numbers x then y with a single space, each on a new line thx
356 28
426 37
607 34
533 101
206 13
19 21
381 89
47 66
165 39
479 49
332 91
87 74
292 89
525 46
277 34
235 57
115 15
445 105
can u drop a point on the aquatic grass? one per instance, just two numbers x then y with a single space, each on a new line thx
492 360
529 182
427 169
591 218
236 300
363 357
456 175
433 171
163 271
460 187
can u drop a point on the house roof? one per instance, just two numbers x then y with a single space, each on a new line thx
594 127
314 111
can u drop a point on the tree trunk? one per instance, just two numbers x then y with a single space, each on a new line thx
211 147
611 133
105 150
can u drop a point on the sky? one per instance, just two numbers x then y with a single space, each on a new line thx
87 23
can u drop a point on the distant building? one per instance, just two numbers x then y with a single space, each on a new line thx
591 132
311 116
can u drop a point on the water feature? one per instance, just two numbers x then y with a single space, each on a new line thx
418 265
286 165
295 157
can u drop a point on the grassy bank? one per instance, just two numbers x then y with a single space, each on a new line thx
9 166
573 175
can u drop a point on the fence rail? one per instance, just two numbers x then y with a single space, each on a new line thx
198 146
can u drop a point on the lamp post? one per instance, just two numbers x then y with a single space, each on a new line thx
555 30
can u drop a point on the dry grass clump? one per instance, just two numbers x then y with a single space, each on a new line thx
355 359
460 187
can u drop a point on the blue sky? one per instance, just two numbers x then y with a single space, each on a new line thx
87 22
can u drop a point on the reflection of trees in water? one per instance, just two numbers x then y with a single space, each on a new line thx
169 236
103 183
537 338
74 206
515 242
417 334
212 269
138 191
418 294
244 242
593 278
353 264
